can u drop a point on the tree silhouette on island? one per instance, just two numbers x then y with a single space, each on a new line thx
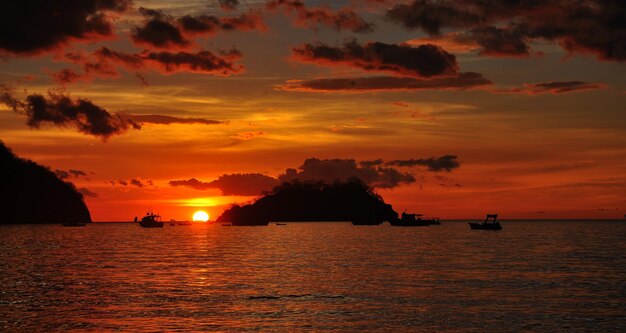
351 200
31 193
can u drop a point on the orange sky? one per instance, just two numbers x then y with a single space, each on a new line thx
526 149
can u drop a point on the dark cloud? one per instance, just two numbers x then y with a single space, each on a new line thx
77 173
136 182
166 120
505 28
201 24
67 76
199 62
191 183
32 26
553 87
432 16
228 4
501 42
207 24
62 174
63 111
165 32
243 22
332 170
421 61
158 31
467 80
104 63
435 164
86 192
313 17
246 184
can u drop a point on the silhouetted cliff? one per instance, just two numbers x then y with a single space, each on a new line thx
31 193
314 201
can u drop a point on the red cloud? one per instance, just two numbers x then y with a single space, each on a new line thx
553 87
386 83
104 62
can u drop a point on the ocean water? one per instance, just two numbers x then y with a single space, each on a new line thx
532 276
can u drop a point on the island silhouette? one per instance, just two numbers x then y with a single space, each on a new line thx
32 193
295 201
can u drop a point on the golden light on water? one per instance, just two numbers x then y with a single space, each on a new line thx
200 216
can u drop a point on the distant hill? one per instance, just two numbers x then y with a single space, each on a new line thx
31 193
314 201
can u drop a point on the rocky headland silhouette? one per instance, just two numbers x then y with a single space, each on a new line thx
31 193
295 201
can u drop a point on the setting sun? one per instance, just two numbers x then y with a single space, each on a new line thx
200 216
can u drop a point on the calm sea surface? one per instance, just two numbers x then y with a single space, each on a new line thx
531 276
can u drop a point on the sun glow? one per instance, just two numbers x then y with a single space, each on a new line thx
200 216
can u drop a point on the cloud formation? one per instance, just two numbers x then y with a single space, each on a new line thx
166 120
228 4
463 81
331 170
30 27
400 59
63 174
375 173
506 28
170 62
158 31
553 87
86 192
245 184
62 111
435 164
104 63
135 182
166 32
314 17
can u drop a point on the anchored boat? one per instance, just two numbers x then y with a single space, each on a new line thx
490 223
151 220
414 220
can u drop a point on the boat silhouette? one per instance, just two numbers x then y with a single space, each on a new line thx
490 223
414 220
151 220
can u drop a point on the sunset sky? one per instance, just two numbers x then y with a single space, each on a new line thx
449 108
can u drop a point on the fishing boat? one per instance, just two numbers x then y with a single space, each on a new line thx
414 220
183 223
490 223
151 220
